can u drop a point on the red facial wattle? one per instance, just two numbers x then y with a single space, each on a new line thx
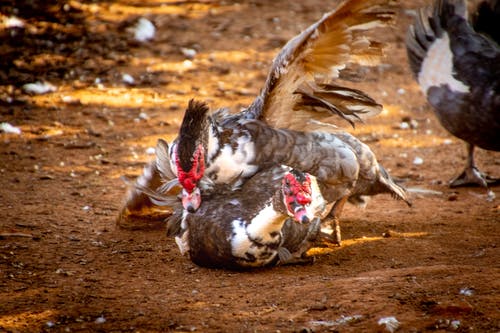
191 198
297 196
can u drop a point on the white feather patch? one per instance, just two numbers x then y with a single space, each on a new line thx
260 227
239 241
264 223
232 163
437 68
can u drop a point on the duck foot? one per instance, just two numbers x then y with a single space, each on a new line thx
472 176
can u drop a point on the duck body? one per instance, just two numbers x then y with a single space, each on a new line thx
458 70
248 228
345 168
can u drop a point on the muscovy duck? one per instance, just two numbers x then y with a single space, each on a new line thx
252 227
458 69
272 219
292 97
344 166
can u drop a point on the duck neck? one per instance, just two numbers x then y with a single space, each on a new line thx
212 141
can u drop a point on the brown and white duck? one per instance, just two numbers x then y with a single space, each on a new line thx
272 219
457 65
219 148
252 227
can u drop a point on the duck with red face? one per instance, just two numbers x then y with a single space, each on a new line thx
222 148
297 194
191 196
270 220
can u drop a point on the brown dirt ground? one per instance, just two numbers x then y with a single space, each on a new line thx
66 267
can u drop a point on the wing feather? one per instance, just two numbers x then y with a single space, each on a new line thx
319 53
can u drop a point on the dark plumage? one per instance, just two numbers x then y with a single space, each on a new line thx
255 226
458 69
237 230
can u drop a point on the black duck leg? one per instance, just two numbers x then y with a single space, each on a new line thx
472 176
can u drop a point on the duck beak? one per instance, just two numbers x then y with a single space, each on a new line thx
300 213
191 201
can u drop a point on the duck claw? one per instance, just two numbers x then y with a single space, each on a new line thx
472 176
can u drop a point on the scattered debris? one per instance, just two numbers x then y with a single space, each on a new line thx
447 324
70 100
341 321
467 291
39 88
188 53
144 30
408 123
418 161
64 272
128 79
79 145
5 235
391 323
404 125
490 196
143 116
8 128
13 22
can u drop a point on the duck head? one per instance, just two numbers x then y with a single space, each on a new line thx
190 153
297 194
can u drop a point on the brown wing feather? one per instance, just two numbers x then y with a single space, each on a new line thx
322 50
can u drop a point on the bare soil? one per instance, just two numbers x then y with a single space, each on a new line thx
66 267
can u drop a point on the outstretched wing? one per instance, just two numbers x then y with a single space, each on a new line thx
319 53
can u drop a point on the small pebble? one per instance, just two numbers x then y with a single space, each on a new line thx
418 161
8 128
188 53
466 292
39 88
391 323
128 79
144 30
